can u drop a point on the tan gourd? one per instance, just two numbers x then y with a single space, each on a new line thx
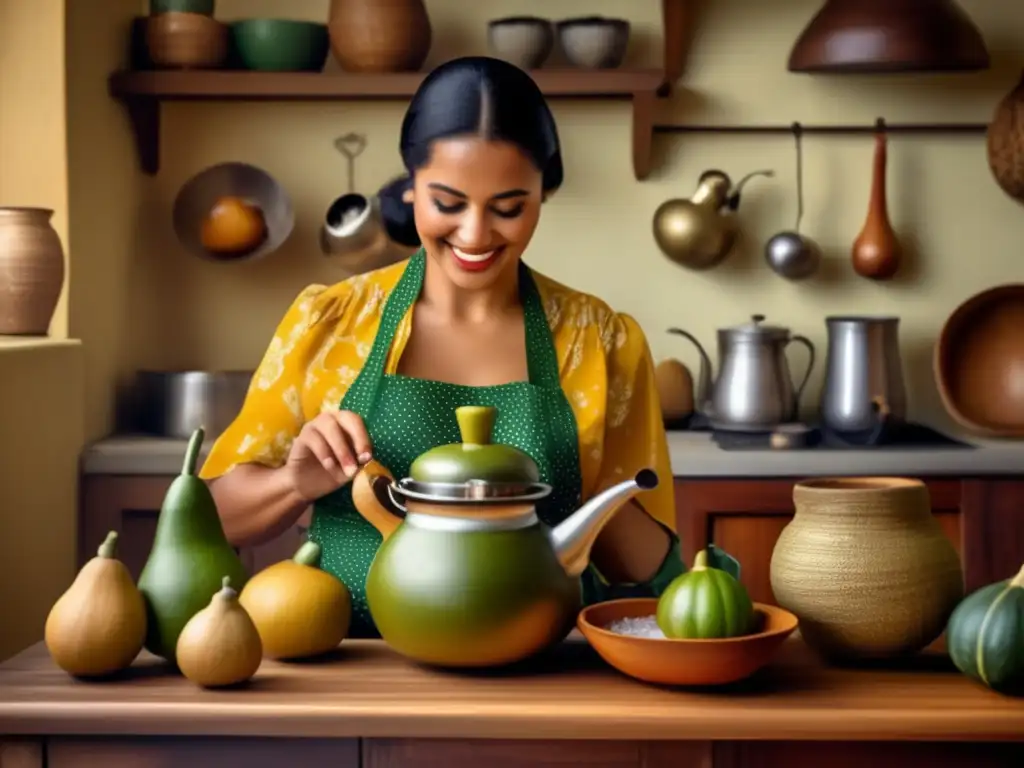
220 646
97 627
675 389
299 609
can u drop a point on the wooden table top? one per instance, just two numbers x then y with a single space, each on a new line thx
366 690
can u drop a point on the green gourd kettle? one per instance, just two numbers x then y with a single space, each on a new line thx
467 575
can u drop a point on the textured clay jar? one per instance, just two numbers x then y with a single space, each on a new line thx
866 568
379 35
31 271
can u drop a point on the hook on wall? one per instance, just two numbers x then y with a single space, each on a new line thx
797 129
880 125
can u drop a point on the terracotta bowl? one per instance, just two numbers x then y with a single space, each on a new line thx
979 362
186 41
683 662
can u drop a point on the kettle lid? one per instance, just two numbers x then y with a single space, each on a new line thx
476 459
757 328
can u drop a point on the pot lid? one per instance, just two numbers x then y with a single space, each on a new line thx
888 36
757 328
476 459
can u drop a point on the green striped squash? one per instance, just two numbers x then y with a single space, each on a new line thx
705 603
985 635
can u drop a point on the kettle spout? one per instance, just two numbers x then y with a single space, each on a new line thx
574 536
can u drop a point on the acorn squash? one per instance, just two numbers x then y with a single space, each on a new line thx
705 603
985 635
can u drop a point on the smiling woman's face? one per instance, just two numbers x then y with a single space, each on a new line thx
477 203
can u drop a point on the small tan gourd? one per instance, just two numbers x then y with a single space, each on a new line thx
97 627
220 646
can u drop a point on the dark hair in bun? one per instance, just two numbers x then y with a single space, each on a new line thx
474 95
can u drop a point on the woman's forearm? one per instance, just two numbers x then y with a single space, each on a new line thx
256 503
632 546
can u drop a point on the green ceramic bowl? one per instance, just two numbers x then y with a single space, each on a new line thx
204 7
281 45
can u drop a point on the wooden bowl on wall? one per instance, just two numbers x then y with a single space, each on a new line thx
979 362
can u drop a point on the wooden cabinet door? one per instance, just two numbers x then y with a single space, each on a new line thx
745 518
130 505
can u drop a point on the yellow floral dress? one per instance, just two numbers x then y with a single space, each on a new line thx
320 345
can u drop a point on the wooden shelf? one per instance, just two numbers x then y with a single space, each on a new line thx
143 92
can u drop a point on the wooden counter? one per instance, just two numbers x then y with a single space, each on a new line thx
365 706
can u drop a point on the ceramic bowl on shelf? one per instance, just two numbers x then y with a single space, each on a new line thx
186 41
594 42
979 362
281 45
526 41
682 662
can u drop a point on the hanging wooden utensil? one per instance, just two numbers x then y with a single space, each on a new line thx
876 251
1006 143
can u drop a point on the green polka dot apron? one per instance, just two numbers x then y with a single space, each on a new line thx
407 416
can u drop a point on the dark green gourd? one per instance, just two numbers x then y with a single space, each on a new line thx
189 558
985 635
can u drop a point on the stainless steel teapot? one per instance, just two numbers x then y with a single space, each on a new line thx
753 391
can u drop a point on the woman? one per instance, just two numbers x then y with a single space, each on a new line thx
375 366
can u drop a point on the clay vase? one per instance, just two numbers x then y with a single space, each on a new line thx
379 35
876 251
31 271
1006 143
866 567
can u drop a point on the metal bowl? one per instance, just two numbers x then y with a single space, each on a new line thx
176 403
199 194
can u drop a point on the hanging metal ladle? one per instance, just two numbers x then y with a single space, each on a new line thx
790 254
353 226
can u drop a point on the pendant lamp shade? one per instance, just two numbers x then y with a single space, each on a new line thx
889 36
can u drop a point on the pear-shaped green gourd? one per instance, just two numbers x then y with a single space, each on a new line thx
705 603
985 635
189 559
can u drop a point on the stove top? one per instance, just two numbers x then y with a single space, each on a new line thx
907 435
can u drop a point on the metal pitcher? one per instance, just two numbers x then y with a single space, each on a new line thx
753 391
864 389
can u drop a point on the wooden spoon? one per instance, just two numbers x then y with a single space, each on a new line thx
876 251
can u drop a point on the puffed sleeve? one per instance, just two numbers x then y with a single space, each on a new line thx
634 431
272 413
635 439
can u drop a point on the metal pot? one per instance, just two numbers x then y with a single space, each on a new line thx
864 389
753 391
175 403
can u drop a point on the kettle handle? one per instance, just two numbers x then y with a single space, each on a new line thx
704 375
370 495
810 363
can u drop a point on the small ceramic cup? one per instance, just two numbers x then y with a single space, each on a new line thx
594 42
526 41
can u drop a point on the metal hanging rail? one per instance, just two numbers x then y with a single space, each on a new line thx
879 125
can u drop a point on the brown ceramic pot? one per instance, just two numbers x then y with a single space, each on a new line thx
379 35
31 271
866 567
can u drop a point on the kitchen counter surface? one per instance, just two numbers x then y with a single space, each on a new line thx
694 455
365 690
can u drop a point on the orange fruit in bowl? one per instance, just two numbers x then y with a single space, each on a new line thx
233 227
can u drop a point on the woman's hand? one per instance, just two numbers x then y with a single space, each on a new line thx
327 453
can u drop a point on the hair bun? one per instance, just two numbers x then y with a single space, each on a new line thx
398 214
